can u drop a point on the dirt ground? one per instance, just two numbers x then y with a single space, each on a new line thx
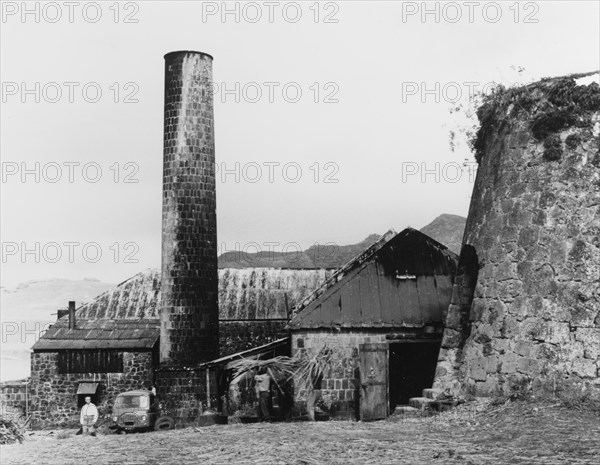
475 433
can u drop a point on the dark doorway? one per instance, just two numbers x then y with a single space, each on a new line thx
81 399
412 369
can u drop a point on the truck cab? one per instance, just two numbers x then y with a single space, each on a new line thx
135 410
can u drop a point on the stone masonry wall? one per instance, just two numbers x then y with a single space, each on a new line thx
340 385
13 398
236 336
53 396
189 312
527 315
183 393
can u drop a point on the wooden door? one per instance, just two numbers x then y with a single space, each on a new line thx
374 404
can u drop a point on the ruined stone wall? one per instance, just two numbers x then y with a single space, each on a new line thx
189 312
13 398
525 312
236 336
53 396
183 393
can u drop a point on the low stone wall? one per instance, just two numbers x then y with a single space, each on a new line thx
13 398
53 396
236 336
183 393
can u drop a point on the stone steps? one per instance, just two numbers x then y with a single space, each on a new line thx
432 393
406 410
420 403
431 401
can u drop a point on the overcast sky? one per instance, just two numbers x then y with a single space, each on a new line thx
342 155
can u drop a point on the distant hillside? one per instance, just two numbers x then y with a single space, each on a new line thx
321 256
448 230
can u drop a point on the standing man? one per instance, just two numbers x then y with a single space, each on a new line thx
262 386
88 417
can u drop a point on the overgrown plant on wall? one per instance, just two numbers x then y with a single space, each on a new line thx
463 123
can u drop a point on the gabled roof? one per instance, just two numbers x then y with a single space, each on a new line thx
403 280
100 334
343 271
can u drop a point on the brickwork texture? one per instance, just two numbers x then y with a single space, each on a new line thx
184 394
189 310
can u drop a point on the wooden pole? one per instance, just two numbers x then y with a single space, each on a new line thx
208 389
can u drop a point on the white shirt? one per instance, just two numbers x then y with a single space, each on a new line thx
88 410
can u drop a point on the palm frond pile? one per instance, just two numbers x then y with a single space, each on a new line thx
305 371
309 371
280 369
11 431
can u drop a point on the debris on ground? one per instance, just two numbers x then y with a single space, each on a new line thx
11 431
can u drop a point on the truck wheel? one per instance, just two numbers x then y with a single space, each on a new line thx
164 423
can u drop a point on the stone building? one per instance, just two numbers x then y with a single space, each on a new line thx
381 313
99 358
525 312
111 344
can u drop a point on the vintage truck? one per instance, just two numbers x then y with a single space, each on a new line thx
139 411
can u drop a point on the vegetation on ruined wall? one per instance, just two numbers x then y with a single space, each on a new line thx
551 105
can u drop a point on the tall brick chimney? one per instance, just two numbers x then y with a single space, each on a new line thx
189 315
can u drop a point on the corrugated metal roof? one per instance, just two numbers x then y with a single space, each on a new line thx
265 293
127 315
100 334
244 294
404 280
278 343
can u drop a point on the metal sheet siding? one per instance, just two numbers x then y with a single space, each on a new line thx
409 303
428 298
376 292
444 290
385 295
